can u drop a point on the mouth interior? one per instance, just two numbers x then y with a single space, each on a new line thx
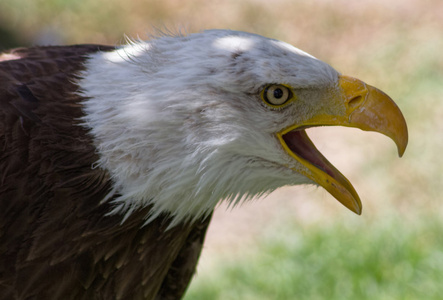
299 143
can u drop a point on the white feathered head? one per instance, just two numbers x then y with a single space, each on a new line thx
182 122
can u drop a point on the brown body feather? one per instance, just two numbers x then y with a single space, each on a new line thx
56 241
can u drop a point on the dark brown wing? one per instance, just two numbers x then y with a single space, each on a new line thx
56 241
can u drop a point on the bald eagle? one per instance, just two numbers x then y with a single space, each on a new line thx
114 158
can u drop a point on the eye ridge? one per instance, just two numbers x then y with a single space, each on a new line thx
276 95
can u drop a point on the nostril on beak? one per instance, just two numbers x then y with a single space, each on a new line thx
355 101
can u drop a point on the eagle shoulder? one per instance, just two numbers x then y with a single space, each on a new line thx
56 238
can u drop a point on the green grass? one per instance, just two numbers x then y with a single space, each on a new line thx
382 260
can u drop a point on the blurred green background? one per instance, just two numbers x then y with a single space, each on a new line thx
299 243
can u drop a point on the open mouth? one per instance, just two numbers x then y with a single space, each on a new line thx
317 168
378 112
299 143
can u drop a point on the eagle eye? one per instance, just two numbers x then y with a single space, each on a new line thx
276 95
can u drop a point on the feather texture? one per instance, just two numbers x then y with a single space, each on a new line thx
56 241
189 108
114 158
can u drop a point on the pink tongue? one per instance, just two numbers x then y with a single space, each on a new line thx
299 143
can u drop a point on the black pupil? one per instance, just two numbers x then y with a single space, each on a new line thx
278 93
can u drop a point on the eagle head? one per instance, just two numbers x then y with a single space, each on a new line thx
183 122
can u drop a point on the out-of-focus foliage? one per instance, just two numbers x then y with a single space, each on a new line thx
393 259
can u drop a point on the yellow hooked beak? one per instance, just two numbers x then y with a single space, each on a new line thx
358 105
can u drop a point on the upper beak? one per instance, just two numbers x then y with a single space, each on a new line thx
358 105
370 109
